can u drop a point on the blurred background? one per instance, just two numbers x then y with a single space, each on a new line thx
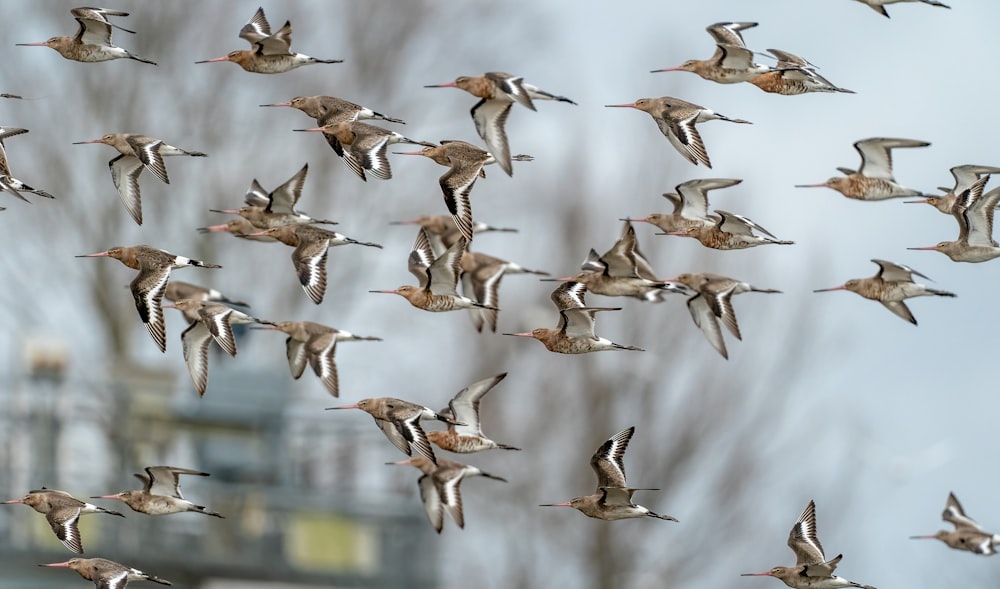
828 397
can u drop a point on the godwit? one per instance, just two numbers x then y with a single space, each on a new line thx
967 535
148 286
731 63
269 54
443 232
7 181
214 321
481 275
438 278
965 176
137 152
92 41
891 286
464 407
879 5
238 227
465 162
400 422
439 487
793 75
330 109
177 290
574 333
161 492
690 205
713 300
676 119
498 92
62 511
314 344
366 146
265 209
974 212
874 180
811 570
106 574
623 272
613 499
311 245
730 232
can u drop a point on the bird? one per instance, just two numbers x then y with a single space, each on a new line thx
498 91
443 232
481 275
62 511
400 422
967 535
439 487
464 407
974 212
92 41
214 321
713 300
811 570
365 144
690 205
330 109
438 278
161 492
154 266
891 285
8 182
793 75
465 164
138 152
177 290
730 232
269 54
965 176
874 179
574 334
731 63
623 272
613 498
311 245
106 574
315 344
879 5
239 227
265 210
676 119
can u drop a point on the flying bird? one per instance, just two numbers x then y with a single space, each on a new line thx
731 63
468 436
62 511
92 41
874 180
967 535
974 212
8 182
161 492
363 147
439 487
690 204
879 5
106 574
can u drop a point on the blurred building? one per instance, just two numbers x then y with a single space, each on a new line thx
304 494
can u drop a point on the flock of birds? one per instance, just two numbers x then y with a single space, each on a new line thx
440 258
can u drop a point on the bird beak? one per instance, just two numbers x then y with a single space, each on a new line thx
841 287
277 104
257 234
565 504
312 129
169 306
38 44
409 152
13 501
764 574
563 279
85 142
921 201
931 537
822 185
268 327
94 255
403 222
212 228
676 233
56 564
355 406
385 291
525 334
213 60
115 496
226 211
630 105
928 248
634 220
446 85
667 69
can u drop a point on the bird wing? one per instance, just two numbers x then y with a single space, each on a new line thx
166 480
309 258
735 57
195 340
443 272
125 170
369 150
147 290
118 580
256 196
283 198
465 405
876 155
93 31
485 288
432 502
979 215
63 521
890 271
803 541
954 514
456 185
822 569
279 43
899 308
620 261
148 152
447 481
320 350
490 116
513 87
257 28
421 258
6 132
738 224
684 136
295 351
608 461
728 33
694 195
706 320
719 297
410 431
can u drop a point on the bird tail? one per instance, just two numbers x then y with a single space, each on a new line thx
632 348
669 518
771 290
137 58
941 293
110 512
316 60
506 447
203 509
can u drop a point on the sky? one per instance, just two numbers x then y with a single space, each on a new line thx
904 413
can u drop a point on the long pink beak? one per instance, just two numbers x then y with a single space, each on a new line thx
355 406
564 504
13 501
56 564
212 228
38 44
94 255
117 495
931 537
841 287
408 152
394 291
927 248
821 185
314 129
523 334
257 234
635 220
277 104
763 574
921 201
89 141
226 211
563 279
676 233
630 105
215 59
445 85
676 68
